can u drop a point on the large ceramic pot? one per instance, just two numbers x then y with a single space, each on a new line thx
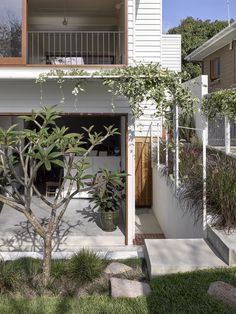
109 220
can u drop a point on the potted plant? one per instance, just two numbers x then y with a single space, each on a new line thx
107 194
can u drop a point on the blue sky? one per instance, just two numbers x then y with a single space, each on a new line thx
175 10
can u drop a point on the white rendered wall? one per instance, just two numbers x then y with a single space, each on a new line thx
199 87
175 222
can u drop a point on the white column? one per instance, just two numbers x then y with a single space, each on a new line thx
204 174
227 135
131 179
176 134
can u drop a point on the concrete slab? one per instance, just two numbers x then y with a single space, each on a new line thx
168 256
111 253
224 243
79 228
146 222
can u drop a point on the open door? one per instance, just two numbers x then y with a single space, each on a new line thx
13 21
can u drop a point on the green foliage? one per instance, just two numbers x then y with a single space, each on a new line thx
220 183
220 104
176 293
194 33
10 279
85 266
150 83
140 83
108 192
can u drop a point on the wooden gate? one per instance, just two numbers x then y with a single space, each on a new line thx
143 172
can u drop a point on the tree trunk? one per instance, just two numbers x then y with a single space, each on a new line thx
47 259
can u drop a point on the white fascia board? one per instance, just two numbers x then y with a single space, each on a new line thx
220 40
32 73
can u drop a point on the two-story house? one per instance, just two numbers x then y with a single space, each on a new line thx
38 35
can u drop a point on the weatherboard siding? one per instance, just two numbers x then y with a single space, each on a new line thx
171 52
144 31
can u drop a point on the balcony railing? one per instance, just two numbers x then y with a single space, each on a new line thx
75 48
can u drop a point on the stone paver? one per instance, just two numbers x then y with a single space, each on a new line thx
116 268
123 288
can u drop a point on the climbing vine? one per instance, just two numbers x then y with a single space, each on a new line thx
220 104
139 84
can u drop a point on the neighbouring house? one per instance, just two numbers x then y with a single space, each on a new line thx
37 36
218 59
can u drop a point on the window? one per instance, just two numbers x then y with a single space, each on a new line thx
12 28
215 69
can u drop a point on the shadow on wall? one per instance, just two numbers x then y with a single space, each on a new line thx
26 238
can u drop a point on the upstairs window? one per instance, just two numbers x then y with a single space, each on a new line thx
12 31
215 69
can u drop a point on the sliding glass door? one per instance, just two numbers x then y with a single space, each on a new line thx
12 32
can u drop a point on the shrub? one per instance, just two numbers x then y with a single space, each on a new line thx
85 266
220 183
10 279
28 267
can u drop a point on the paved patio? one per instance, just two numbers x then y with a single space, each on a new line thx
79 227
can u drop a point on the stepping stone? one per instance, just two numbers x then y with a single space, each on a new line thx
123 288
116 268
224 292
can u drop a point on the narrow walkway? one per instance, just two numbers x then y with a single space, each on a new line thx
146 226
179 255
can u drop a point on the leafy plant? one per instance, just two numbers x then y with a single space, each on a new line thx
45 145
108 191
85 266
220 104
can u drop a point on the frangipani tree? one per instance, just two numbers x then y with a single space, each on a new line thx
45 145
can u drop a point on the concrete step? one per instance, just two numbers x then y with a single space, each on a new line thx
111 253
12 243
224 243
167 256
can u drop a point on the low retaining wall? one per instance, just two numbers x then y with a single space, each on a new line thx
174 220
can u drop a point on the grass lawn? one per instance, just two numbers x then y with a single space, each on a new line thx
181 293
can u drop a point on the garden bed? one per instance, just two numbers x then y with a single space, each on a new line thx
179 294
83 275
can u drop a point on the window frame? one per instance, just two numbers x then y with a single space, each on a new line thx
215 69
19 60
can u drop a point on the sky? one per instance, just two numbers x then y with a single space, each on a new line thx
176 10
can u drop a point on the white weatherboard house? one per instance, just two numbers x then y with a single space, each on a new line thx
44 34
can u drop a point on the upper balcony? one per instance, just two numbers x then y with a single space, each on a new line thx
62 32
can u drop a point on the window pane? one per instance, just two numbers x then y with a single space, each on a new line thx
10 28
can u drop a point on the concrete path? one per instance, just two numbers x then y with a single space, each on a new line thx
168 256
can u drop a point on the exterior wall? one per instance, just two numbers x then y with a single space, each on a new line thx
144 30
148 124
175 221
199 87
227 68
171 52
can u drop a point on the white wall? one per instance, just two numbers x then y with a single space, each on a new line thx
148 123
175 222
144 30
171 52
199 87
